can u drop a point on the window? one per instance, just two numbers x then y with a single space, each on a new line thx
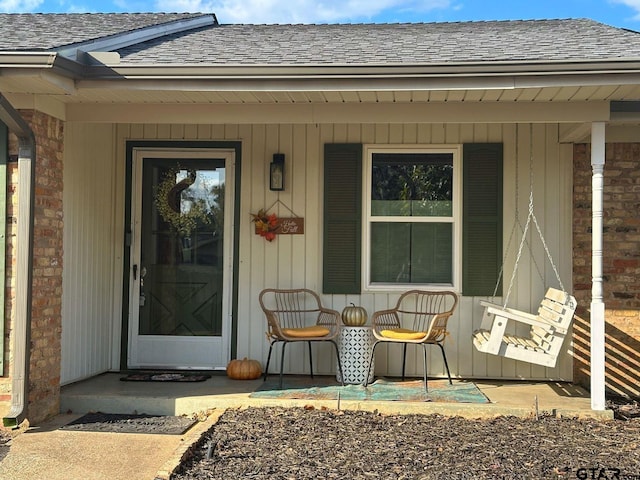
475 219
412 200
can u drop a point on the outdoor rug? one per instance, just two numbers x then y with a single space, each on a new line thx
380 390
165 377
122 423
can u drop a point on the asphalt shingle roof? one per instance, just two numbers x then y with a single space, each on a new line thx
45 31
375 44
338 44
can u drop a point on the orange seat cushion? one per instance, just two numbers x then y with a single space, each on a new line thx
403 334
304 332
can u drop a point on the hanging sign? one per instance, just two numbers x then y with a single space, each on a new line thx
286 226
268 225
291 226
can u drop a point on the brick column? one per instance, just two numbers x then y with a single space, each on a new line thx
621 266
46 323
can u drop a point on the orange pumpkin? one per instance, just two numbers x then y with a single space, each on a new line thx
244 369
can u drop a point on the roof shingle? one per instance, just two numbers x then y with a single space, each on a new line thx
562 40
376 44
48 31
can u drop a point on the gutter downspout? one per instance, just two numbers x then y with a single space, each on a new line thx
24 262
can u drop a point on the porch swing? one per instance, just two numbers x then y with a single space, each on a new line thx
548 328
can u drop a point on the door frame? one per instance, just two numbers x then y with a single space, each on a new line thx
134 146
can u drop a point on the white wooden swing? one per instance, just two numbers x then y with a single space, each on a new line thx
548 328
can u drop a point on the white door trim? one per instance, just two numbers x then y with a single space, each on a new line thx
169 352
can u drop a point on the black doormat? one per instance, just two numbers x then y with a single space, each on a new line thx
124 423
165 377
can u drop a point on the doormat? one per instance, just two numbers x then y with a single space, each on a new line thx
123 423
380 390
165 377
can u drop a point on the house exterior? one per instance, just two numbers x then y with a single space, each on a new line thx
136 148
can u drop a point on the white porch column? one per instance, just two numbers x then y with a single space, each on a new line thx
597 302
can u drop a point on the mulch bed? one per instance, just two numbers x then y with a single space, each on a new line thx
304 443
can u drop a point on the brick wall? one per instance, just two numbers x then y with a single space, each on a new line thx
46 324
621 266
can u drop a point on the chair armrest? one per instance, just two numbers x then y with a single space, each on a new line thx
328 317
379 313
438 324
384 320
273 326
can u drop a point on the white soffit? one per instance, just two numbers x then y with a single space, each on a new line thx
142 96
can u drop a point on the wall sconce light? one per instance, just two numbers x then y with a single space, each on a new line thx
276 172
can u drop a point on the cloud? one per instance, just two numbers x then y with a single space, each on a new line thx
633 4
256 11
19 6
300 11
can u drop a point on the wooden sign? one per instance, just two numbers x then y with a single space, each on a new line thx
288 226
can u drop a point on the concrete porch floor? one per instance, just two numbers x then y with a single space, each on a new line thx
46 451
107 393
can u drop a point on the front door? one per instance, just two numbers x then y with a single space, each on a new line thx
181 265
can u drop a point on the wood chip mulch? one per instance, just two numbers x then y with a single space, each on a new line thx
305 443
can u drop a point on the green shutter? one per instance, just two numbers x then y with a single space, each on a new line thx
482 219
342 218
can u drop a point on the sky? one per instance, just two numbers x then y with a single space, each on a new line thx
619 13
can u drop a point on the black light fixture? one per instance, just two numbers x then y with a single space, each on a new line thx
276 172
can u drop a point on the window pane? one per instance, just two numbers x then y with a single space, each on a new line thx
411 253
412 184
181 247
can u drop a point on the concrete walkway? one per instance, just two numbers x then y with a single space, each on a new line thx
45 452
48 453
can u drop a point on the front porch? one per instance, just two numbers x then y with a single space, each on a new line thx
106 393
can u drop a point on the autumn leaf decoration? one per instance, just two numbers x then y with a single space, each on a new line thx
266 224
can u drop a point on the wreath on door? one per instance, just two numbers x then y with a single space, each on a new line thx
183 214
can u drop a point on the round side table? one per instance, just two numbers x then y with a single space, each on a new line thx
354 345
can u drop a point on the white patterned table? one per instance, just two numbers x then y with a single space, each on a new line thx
354 345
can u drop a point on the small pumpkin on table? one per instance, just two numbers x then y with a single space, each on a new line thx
354 316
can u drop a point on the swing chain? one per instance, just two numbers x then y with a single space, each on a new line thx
530 216
546 249
522 242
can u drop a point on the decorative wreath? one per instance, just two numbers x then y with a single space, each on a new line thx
168 202
266 224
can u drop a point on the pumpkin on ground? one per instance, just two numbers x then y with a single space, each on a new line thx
244 369
354 316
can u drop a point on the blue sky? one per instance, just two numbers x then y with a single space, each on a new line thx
620 13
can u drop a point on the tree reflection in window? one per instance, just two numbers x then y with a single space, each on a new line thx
412 184
418 186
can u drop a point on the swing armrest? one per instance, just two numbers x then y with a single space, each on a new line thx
508 312
518 316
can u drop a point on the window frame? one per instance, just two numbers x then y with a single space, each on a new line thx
455 219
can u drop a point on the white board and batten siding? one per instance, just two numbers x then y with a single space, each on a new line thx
92 252
293 261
